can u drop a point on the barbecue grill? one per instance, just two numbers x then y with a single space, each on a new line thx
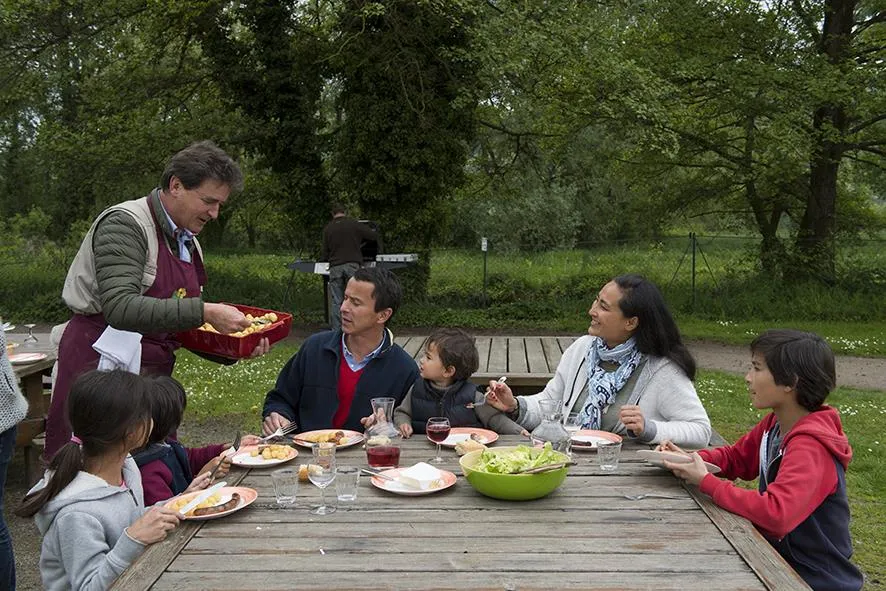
372 257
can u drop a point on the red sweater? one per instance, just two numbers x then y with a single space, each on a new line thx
806 477
157 477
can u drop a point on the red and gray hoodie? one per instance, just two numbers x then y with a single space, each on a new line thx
801 505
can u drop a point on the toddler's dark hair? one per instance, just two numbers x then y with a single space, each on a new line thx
457 349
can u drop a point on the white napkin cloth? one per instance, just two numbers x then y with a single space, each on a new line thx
119 349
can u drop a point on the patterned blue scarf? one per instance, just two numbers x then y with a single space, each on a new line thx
604 385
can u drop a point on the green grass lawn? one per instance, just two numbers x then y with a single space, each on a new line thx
215 390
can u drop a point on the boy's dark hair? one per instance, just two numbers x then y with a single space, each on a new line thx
802 360
386 288
168 402
457 349
199 162
104 408
657 333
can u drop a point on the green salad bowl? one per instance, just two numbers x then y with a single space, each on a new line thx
512 487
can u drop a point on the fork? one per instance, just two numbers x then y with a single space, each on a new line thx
640 497
500 380
281 431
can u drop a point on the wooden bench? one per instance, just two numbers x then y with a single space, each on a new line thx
528 361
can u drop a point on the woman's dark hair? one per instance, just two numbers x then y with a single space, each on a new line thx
199 162
168 401
457 349
104 409
800 360
657 333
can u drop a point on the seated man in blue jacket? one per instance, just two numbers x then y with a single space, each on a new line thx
329 382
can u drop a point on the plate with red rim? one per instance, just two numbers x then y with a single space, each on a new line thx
245 459
247 496
587 439
657 458
25 358
398 488
459 434
351 437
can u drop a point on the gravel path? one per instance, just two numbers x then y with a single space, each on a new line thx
854 372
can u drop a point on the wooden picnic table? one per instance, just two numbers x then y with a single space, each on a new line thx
585 535
527 361
30 377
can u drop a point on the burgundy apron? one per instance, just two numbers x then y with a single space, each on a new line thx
76 355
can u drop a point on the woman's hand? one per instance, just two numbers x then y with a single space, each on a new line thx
632 417
406 430
199 483
263 346
224 318
153 525
249 439
499 395
692 473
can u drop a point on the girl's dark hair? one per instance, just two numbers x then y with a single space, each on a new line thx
800 360
657 333
168 401
104 408
457 349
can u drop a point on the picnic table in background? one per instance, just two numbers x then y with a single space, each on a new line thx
527 361
585 535
30 377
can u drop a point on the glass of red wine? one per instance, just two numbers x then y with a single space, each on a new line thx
437 431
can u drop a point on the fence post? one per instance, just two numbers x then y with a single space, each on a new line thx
484 246
692 240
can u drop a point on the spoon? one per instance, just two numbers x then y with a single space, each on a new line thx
654 495
500 380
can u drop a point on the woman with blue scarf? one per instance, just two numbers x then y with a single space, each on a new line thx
632 375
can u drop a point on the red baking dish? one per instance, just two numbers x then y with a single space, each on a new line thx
225 345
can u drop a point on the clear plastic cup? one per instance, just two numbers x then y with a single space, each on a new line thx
285 485
347 479
607 455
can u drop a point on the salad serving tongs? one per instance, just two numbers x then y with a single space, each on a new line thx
546 468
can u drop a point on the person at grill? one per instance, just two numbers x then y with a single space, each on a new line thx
342 239
330 381
631 375
138 277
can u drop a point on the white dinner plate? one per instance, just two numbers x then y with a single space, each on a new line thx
657 458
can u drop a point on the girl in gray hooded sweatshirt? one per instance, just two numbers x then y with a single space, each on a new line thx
89 505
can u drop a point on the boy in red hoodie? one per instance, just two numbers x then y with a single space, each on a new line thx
800 454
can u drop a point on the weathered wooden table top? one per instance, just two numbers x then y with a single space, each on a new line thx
585 535
527 361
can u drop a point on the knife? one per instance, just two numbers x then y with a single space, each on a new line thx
202 497
235 447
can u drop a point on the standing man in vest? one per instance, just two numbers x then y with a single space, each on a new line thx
140 270
332 378
341 248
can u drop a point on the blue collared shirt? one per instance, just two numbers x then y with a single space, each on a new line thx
182 236
358 365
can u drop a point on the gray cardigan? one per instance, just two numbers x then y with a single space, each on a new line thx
13 406
665 394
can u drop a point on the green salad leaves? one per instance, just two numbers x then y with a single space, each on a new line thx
521 458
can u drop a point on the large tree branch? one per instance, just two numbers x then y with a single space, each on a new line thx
517 134
863 25
867 162
867 123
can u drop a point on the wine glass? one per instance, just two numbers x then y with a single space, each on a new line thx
437 430
323 474
30 340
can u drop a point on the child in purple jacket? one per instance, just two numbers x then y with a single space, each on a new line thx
167 467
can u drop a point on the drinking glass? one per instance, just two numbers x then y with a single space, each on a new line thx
572 423
323 474
437 430
347 479
607 455
30 340
285 485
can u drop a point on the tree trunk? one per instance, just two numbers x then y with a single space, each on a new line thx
815 238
